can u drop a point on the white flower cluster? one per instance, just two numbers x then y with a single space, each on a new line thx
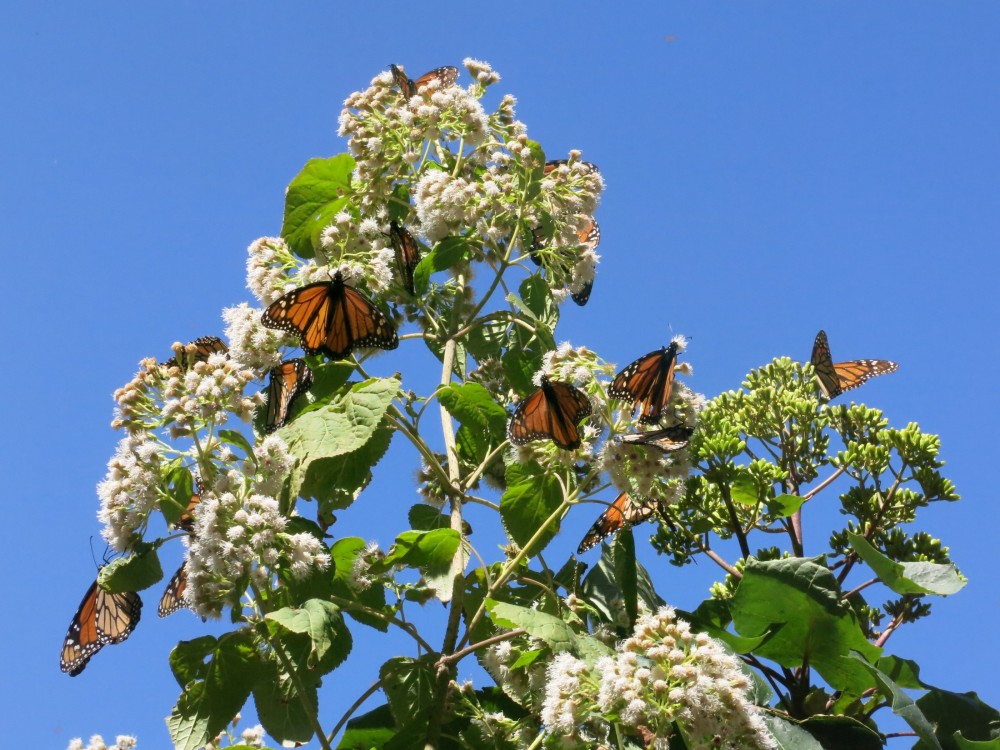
526 685
663 675
122 742
207 393
272 464
130 489
254 736
251 345
269 260
446 205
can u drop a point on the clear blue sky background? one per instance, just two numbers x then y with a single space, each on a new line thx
772 169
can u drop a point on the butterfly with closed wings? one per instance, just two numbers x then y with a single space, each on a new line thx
102 618
198 350
589 237
647 382
550 413
173 596
623 512
445 76
835 378
407 253
287 382
668 440
331 317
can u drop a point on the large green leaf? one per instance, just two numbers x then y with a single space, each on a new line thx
626 573
282 709
537 297
952 713
799 600
524 354
445 254
790 736
313 198
336 482
319 620
428 550
909 577
138 571
483 421
207 705
409 686
902 704
370 730
558 635
532 495
842 732
600 588
187 659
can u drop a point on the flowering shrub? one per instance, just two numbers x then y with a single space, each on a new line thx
785 652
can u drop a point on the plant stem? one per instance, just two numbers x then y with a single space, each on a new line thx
354 707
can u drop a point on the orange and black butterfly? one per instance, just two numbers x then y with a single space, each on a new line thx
835 378
590 238
198 350
668 440
446 75
623 512
332 318
173 596
550 413
186 521
647 382
407 253
591 168
102 618
288 380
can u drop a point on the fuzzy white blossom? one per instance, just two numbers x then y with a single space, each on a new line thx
130 489
251 344
268 262
254 736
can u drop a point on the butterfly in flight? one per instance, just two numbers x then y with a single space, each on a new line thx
647 382
288 381
407 253
173 596
198 350
668 440
623 512
835 378
331 317
102 618
551 412
446 76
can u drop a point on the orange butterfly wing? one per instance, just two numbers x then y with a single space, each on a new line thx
101 618
647 382
621 513
835 378
590 237
447 75
669 439
173 596
198 350
407 253
287 381
551 412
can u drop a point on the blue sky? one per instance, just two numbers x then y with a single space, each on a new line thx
772 169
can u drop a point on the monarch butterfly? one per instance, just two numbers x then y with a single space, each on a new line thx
446 75
591 168
407 253
332 318
288 381
667 440
186 521
173 596
647 382
835 378
551 412
589 237
102 618
621 513
198 350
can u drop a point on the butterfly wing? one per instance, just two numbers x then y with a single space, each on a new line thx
445 75
670 439
822 363
590 168
550 413
356 322
856 372
399 77
198 350
287 381
621 513
186 521
117 615
647 382
82 640
304 311
173 596
590 238
407 253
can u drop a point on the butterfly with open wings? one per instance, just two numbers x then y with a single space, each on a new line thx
837 377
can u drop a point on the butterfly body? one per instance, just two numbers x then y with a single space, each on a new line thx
647 383
287 382
446 75
668 440
550 413
623 512
101 619
331 317
835 378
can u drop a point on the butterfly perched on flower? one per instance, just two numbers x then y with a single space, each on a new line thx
668 440
407 253
186 521
647 382
331 317
101 619
173 596
835 378
445 75
623 512
287 382
550 413
552 164
198 350
589 237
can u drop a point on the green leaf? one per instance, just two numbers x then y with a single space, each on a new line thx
427 550
409 686
336 482
237 440
483 421
600 588
528 658
625 573
187 659
180 487
138 571
313 198
317 619
524 354
799 600
532 496
207 705
790 736
842 732
537 297
554 632
370 730
951 713
712 617
445 254
902 704
486 339
784 506
744 491
909 577
903 672
280 706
